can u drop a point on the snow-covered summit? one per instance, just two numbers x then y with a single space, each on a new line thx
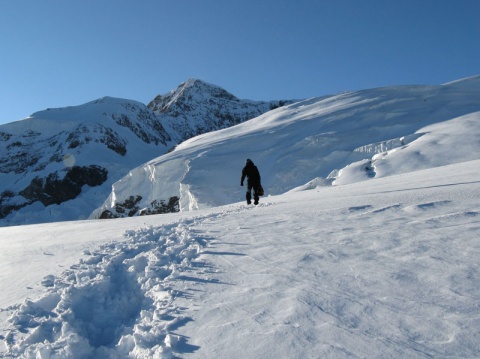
336 140
196 89
104 109
197 107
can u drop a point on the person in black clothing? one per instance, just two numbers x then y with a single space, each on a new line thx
253 181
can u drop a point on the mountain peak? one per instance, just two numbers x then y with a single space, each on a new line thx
193 91
196 107
197 84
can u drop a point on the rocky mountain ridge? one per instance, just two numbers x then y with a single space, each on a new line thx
59 164
196 107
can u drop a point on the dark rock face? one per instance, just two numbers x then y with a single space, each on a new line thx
55 190
143 124
84 134
8 204
161 206
19 155
129 208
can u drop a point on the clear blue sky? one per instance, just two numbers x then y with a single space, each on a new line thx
56 53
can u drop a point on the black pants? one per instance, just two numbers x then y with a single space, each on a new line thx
248 196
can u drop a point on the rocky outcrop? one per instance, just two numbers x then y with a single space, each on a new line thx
9 203
84 134
129 208
143 124
55 190
162 206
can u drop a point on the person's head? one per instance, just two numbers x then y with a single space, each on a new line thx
248 162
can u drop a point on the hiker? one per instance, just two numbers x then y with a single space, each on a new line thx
253 182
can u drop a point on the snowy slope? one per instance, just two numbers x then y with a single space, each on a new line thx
380 268
341 139
60 164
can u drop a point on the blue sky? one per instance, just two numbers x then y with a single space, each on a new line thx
56 53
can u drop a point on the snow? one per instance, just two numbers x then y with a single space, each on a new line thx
48 135
340 139
384 263
381 268
115 134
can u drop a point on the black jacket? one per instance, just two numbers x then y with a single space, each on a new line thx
251 172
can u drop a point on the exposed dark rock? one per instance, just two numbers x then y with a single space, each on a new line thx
55 190
114 142
97 133
129 208
369 168
107 215
161 206
19 161
14 144
23 156
8 205
4 136
143 124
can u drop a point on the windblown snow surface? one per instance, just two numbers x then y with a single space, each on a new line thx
382 267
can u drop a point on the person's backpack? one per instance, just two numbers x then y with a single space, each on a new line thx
260 190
